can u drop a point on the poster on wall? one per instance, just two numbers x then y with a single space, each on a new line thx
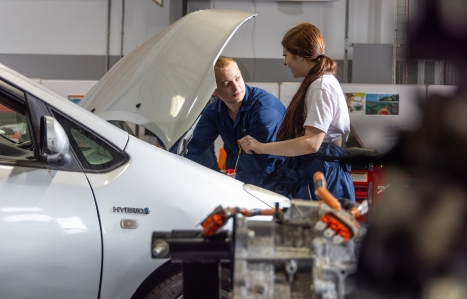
382 104
387 109
355 102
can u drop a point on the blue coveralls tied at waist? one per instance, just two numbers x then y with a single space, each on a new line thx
294 178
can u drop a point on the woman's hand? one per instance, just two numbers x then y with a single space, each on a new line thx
250 145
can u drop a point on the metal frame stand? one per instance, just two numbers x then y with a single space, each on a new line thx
201 259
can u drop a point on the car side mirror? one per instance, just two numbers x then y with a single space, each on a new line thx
54 141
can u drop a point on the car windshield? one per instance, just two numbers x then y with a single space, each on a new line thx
13 125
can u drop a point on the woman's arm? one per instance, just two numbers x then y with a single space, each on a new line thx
306 144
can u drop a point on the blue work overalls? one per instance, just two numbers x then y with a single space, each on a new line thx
260 116
294 178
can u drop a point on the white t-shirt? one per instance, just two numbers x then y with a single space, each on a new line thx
327 109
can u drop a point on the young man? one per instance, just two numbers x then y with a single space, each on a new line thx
241 110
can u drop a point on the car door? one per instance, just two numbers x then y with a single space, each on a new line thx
49 226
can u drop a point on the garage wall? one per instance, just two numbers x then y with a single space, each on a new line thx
257 48
66 39
76 27
370 21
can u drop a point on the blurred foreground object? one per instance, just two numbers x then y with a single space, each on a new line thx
415 247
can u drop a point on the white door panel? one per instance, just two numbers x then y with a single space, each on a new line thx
50 236
179 194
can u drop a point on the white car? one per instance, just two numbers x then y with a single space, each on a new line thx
80 197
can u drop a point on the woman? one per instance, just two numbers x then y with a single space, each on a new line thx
314 125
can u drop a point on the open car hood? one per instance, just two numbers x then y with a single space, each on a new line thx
164 84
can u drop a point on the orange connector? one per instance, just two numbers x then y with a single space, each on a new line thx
322 193
339 227
214 222
219 217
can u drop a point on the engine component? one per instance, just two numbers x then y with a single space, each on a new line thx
310 253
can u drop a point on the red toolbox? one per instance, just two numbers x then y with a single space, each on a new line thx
368 183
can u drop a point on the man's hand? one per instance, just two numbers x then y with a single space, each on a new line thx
250 145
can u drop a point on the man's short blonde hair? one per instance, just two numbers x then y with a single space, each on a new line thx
223 61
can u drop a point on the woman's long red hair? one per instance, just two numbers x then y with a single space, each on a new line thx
304 40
